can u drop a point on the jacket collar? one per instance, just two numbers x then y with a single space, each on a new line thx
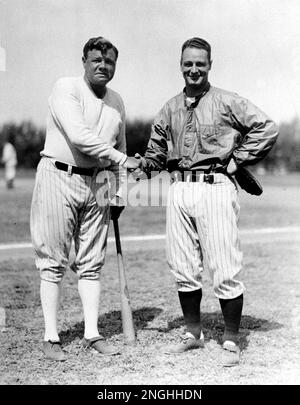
192 105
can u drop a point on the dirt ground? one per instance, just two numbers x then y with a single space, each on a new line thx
270 326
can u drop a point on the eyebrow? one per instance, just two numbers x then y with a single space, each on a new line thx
103 57
198 61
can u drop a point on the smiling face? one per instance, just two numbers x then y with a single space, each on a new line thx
99 67
195 65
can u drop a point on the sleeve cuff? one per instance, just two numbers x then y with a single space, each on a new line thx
118 157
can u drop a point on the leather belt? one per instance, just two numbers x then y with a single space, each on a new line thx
195 175
78 170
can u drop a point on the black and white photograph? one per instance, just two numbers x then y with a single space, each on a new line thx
149 195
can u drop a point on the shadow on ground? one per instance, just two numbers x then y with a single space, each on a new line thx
110 323
213 326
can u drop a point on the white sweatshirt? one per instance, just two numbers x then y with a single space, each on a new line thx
86 131
83 130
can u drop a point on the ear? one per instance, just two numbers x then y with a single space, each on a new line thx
83 60
210 64
180 65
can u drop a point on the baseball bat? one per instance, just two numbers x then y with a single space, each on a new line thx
126 313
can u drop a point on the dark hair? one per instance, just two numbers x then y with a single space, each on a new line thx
99 43
197 43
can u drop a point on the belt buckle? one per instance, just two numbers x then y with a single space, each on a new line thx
101 169
70 170
208 178
176 176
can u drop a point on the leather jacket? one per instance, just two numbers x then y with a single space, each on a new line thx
208 132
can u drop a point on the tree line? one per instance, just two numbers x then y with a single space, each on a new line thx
29 142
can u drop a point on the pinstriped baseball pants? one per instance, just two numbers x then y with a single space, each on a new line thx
64 207
202 234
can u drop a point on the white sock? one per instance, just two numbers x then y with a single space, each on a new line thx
50 294
89 291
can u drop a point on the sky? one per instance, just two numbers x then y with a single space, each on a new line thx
255 50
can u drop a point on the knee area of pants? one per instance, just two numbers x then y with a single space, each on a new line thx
96 277
52 278
228 295
89 274
52 273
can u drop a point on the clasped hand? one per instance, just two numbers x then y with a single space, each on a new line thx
131 163
134 165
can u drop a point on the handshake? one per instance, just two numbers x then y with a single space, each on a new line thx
134 164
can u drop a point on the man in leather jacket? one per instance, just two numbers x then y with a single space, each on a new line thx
203 135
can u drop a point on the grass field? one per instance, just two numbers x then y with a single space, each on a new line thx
270 327
278 206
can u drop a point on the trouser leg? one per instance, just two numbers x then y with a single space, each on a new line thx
53 218
183 250
90 247
220 237
52 221
185 257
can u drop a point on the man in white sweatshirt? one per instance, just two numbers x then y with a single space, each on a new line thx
85 149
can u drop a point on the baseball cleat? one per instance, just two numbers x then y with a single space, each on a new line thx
230 354
189 343
53 351
97 343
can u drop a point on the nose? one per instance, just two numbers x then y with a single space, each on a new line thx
102 64
194 69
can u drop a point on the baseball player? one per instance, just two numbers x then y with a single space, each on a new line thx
203 135
85 136
9 158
